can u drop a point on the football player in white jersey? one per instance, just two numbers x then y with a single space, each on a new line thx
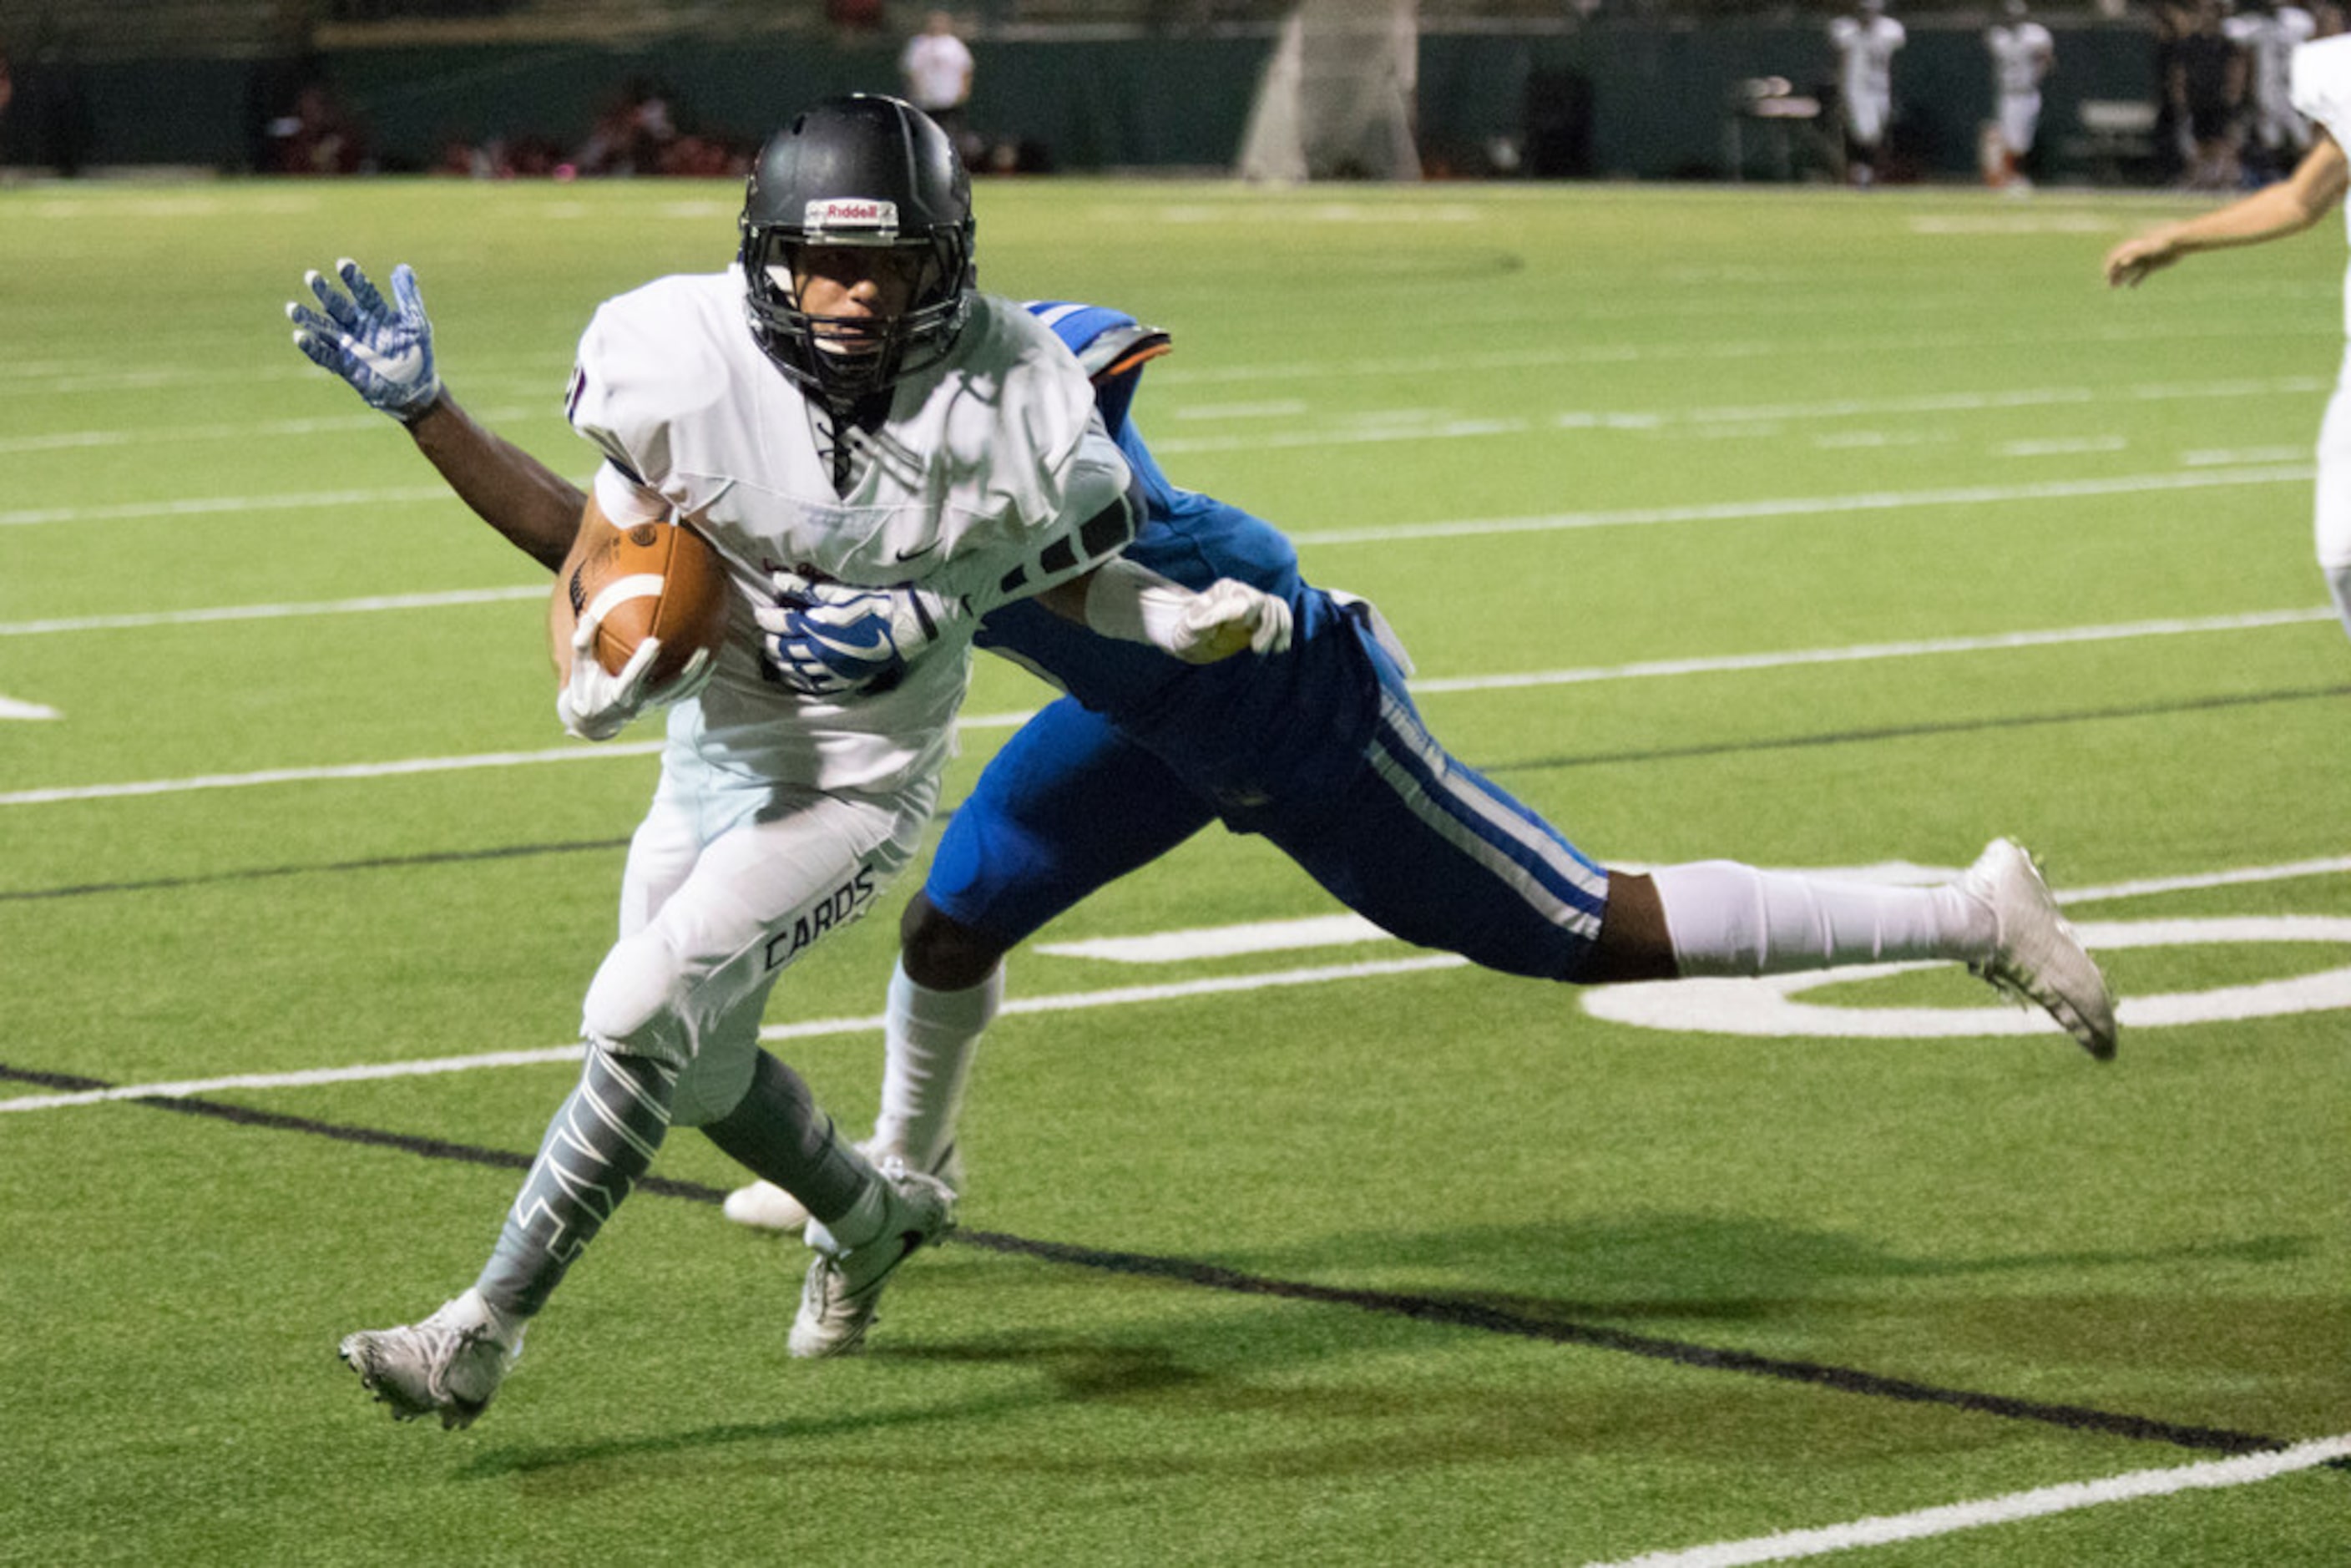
844 408
1865 44
2269 34
2322 89
2022 54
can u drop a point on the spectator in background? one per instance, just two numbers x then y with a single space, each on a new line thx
287 62
2277 134
632 137
2206 92
1865 44
2022 54
319 136
937 69
851 17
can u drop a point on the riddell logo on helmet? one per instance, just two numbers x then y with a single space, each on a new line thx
851 212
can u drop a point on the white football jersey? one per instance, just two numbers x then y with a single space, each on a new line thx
983 459
2019 54
2322 89
2321 83
1867 51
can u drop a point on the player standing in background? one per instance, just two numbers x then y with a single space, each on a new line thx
2322 89
2022 54
936 68
2269 34
842 407
1865 45
1318 749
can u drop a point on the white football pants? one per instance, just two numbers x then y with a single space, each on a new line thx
729 880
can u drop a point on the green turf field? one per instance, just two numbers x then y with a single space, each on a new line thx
1803 528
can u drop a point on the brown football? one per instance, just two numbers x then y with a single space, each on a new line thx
653 580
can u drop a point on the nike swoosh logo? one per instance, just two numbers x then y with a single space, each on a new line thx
400 367
906 555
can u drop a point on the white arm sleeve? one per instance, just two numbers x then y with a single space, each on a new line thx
1135 604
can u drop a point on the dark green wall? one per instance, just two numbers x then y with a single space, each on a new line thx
1658 93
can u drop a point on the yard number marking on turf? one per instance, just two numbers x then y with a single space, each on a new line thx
1767 1008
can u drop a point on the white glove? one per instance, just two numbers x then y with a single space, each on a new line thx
1228 617
596 705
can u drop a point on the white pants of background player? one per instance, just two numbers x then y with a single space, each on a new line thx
730 878
2334 519
2020 118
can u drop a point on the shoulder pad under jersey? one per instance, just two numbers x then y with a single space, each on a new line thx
1113 346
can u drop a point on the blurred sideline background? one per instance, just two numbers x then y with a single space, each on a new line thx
1651 89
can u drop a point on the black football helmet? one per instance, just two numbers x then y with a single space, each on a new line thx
860 170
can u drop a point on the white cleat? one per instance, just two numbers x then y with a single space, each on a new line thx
450 1364
764 1206
2036 956
844 1284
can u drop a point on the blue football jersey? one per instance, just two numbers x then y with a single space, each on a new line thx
1320 749
1248 730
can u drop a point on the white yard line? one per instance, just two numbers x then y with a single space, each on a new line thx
2244 1469
1864 652
403 768
1176 374
149 435
1123 995
2167 481
2243 876
1426 424
536 592
205 506
1726 664
1819 506
1171 946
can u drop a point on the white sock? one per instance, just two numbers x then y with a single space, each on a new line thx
928 1042
862 1224
1724 918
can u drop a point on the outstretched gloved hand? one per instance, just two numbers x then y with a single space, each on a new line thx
383 349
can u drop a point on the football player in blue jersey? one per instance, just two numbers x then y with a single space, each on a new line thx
1318 748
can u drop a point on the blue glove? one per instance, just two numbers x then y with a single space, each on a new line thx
830 640
386 354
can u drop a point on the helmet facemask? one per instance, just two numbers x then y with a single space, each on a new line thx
862 172
844 357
